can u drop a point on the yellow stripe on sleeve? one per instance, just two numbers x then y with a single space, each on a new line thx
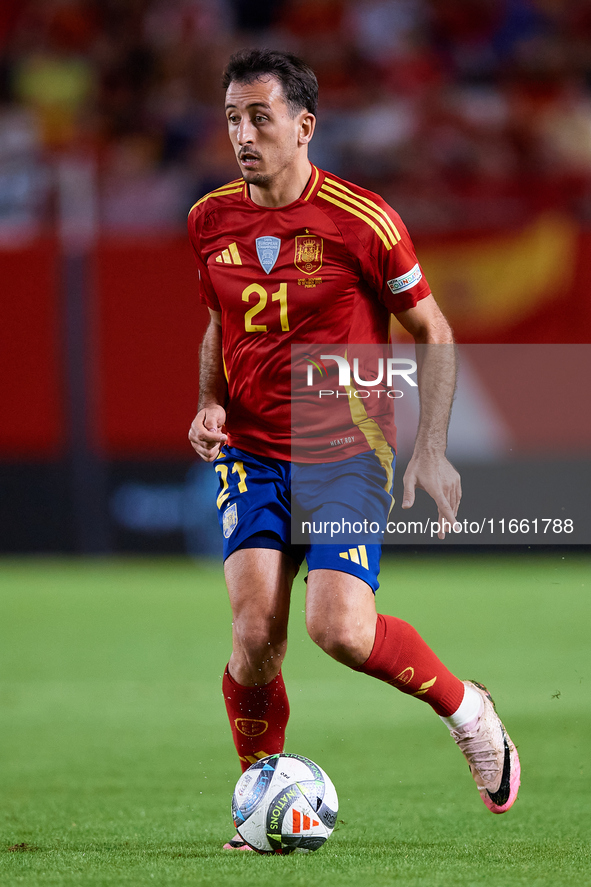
359 215
367 206
389 224
230 188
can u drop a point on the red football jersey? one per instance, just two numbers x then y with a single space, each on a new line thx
328 268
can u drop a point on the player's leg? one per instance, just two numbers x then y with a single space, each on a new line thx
260 565
342 619
259 584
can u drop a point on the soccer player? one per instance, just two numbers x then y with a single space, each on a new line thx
290 254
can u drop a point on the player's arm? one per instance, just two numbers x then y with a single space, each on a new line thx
429 468
205 433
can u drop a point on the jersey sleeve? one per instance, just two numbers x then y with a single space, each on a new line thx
391 266
206 291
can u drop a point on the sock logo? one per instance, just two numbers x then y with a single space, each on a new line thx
405 676
252 759
426 685
251 726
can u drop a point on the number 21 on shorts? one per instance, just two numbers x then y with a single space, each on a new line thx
222 470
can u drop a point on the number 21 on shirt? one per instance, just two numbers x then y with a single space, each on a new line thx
254 290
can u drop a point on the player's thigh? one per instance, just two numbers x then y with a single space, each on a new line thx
341 615
253 500
259 582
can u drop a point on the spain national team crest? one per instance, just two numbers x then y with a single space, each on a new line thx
251 726
268 251
308 253
230 520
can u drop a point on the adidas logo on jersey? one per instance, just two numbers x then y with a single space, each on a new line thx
357 555
230 256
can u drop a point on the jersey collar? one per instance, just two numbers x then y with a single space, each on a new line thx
312 186
314 183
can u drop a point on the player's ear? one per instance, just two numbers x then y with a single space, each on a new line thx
306 127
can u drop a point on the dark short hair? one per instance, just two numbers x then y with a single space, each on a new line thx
300 86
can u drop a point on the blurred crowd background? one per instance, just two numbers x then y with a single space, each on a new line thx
471 117
463 113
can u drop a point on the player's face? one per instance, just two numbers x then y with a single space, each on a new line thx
267 139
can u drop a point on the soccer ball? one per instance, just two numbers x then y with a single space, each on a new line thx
284 803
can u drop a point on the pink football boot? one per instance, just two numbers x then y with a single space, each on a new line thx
236 844
491 756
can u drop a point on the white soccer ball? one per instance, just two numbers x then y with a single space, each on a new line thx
284 803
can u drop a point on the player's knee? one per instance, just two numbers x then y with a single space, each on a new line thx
259 646
340 641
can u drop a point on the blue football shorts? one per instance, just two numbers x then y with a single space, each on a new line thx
259 497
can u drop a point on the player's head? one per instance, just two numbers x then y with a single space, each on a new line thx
298 81
270 102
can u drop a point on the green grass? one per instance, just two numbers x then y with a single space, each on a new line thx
117 768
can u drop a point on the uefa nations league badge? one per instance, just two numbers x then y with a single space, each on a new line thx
268 251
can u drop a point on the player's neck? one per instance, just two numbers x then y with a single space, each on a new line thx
285 188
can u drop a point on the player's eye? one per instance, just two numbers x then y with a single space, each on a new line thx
233 118
260 118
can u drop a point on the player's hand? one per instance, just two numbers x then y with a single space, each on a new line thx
206 434
437 476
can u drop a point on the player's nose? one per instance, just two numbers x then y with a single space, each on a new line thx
245 132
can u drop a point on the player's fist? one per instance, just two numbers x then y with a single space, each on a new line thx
206 435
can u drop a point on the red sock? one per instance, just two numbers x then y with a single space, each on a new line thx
258 717
402 658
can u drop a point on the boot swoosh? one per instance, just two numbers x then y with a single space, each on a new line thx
501 796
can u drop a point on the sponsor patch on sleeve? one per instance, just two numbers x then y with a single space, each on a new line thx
406 281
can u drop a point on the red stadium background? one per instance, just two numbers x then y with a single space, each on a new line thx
473 119
147 323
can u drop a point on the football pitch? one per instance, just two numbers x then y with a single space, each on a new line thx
116 762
